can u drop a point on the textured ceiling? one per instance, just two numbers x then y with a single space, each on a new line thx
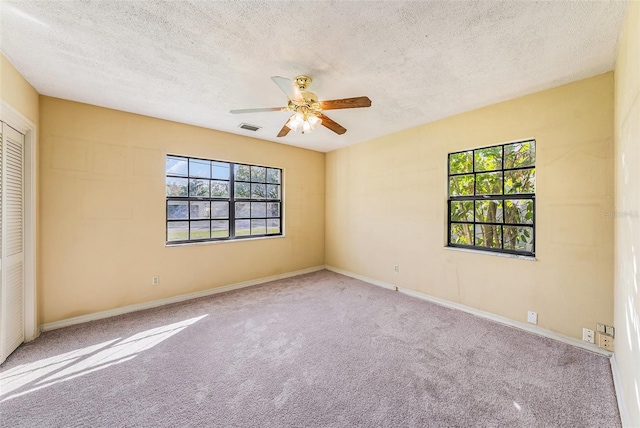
194 61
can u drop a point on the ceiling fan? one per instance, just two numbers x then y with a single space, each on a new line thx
307 110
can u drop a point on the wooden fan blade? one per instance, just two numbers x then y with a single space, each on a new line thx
284 131
256 110
288 87
329 123
345 103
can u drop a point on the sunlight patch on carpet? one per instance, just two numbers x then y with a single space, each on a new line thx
70 365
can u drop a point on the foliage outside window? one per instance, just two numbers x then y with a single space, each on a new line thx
492 198
209 200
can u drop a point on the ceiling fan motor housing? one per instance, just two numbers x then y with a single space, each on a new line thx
302 82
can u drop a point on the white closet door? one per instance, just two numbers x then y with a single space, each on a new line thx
12 237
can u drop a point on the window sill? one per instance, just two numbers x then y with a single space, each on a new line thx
223 241
489 253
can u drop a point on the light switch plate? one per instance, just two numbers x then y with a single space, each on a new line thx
609 330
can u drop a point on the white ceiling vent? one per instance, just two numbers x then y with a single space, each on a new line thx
249 127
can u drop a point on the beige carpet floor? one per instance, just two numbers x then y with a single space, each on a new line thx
318 350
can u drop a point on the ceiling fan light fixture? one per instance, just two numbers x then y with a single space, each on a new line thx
314 121
307 122
295 121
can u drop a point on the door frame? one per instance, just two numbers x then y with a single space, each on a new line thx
22 124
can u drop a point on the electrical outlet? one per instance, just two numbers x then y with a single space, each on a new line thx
155 280
587 335
609 330
605 342
396 268
600 328
532 317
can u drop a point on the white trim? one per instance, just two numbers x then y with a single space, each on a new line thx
508 321
175 299
491 253
622 408
362 278
488 315
18 121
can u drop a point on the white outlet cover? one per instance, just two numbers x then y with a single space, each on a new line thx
532 317
588 335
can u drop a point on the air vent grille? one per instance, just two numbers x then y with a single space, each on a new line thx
249 127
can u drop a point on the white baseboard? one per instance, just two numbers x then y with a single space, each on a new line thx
488 315
624 417
175 299
362 278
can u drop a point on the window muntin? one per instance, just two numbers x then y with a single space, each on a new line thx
209 200
491 204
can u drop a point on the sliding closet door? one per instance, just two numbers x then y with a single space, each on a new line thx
12 237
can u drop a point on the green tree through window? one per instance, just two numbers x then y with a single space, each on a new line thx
492 198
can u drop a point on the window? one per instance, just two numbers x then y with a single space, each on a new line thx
492 198
209 200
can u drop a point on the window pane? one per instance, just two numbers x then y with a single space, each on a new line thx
489 211
520 154
258 191
462 234
489 183
177 210
204 212
220 229
461 162
177 186
242 227
198 188
519 238
518 211
220 210
243 210
199 168
258 227
461 185
273 191
258 173
219 189
489 159
220 170
273 225
258 209
177 231
273 209
479 213
462 211
200 209
273 176
242 172
488 235
176 166
520 181
200 230
243 190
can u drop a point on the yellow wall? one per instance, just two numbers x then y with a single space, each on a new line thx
17 92
386 206
102 211
627 221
